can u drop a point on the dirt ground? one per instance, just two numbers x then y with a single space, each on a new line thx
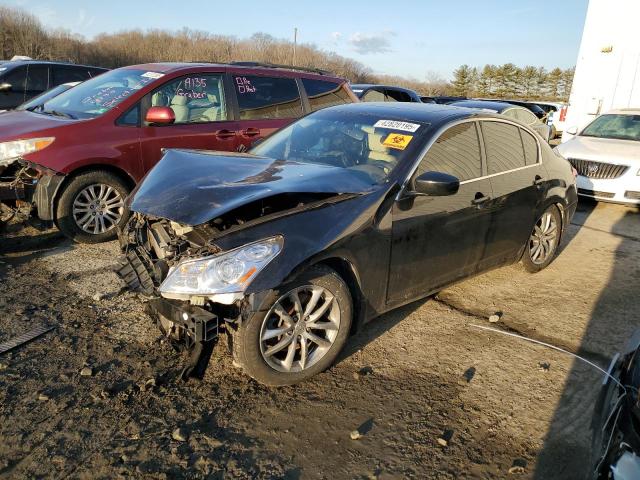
501 407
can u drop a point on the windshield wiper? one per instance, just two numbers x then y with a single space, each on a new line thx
59 114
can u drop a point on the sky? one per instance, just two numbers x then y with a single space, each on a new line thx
418 39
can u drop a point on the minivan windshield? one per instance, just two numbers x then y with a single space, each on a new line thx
98 95
357 142
618 126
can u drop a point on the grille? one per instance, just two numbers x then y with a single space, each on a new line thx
594 193
632 195
591 169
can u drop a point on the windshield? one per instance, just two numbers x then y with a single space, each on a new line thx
43 97
100 94
622 127
358 142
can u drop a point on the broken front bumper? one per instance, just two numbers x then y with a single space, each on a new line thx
197 324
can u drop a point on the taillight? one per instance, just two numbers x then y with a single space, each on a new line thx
563 113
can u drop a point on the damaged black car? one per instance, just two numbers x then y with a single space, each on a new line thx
343 215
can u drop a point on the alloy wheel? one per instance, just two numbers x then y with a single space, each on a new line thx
544 239
299 329
98 208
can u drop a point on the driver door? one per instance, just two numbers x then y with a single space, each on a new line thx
437 240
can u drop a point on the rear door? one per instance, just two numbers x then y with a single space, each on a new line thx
203 119
264 104
37 80
14 95
437 240
518 181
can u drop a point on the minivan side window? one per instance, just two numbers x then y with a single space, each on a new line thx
67 74
530 147
324 94
37 78
17 77
456 152
503 147
267 97
195 98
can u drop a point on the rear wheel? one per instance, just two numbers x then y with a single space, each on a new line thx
305 326
543 241
91 207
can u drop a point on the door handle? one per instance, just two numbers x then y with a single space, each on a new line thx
538 180
250 132
480 199
225 134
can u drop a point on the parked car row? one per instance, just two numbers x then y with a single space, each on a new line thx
288 243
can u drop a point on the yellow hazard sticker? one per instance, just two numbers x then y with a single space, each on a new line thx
397 140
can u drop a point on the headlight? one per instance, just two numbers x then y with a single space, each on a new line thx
228 272
18 148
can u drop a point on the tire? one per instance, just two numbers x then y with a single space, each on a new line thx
251 350
80 195
542 245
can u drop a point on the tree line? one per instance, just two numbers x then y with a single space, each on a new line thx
22 34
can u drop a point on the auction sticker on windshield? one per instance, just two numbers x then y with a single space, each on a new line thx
154 75
396 125
397 140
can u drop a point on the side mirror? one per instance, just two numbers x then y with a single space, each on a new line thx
160 116
5 87
572 130
436 184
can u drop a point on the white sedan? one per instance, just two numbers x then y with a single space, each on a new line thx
606 154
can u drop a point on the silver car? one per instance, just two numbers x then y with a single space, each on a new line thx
606 154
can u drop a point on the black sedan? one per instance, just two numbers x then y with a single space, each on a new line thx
345 214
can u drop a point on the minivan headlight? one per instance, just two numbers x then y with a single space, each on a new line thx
18 148
228 272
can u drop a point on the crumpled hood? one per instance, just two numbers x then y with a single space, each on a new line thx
601 150
16 125
193 187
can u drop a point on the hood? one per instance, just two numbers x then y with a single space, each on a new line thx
194 187
601 150
15 125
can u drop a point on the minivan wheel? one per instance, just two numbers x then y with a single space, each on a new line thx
543 241
299 332
91 207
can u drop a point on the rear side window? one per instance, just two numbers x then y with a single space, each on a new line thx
267 97
373 96
456 152
503 145
66 75
323 94
530 147
37 78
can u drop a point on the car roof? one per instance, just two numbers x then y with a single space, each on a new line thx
364 86
409 111
496 106
248 67
11 63
624 111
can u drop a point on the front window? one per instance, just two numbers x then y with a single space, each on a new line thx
360 143
98 95
622 127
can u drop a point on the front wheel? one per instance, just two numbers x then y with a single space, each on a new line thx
299 333
91 207
543 242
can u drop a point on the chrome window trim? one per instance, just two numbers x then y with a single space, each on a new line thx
476 120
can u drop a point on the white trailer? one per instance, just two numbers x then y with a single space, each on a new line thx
607 72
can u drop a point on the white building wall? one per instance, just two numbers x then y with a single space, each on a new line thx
608 68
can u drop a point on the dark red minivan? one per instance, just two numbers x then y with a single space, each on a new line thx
88 147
